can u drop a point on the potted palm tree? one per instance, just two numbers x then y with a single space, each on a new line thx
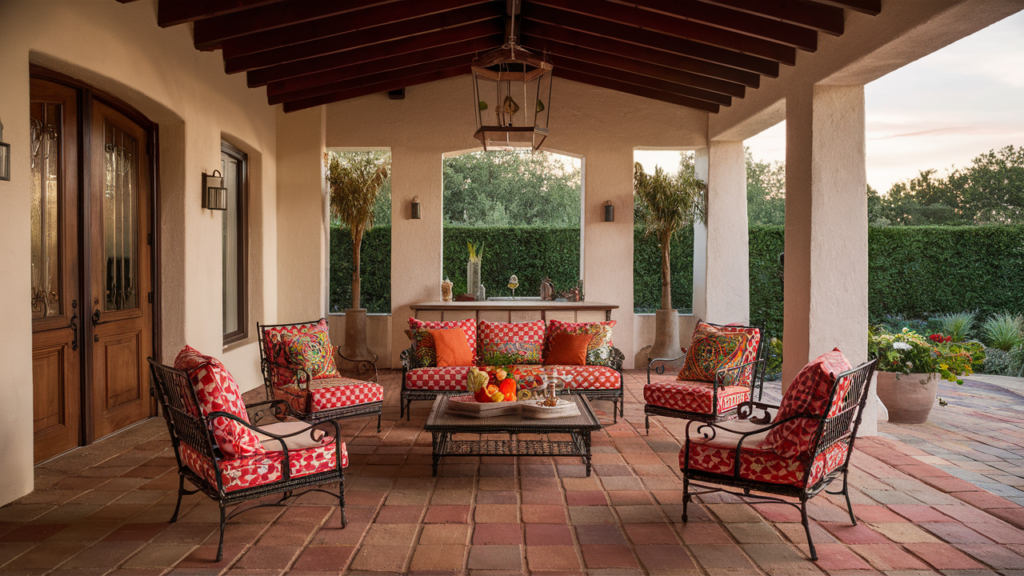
668 204
355 179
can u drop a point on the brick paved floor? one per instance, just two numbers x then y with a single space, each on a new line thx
104 509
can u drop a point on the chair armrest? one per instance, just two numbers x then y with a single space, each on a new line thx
279 408
662 365
616 358
286 462
406 358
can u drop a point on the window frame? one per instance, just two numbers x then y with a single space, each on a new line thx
243 244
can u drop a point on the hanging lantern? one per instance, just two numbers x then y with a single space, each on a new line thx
512 92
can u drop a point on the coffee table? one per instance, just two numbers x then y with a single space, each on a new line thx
444 426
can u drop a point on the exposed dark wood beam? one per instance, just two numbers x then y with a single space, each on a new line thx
322 64
683 29
360 38
614 62
212 32
394 83
649 38
335 80
726 18
870 7
827 19
307 32
174 12
635 90
550 32
645 81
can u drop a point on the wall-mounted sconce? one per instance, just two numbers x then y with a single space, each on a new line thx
5 156
215 195
609 212
415 207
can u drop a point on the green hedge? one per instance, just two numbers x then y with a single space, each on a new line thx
376 268
647 271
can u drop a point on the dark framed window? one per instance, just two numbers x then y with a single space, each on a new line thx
234 243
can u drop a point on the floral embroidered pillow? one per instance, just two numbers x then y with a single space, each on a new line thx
312 352
711 351
424 352
275 344
510 343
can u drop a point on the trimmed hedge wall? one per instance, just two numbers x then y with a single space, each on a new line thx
375 292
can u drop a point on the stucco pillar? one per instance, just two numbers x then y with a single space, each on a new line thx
826 266
721 278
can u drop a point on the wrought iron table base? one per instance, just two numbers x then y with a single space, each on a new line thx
579 445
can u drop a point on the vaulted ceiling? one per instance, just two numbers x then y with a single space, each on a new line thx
695 53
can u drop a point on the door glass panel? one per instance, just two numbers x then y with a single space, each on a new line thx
46 186
230 168
120 219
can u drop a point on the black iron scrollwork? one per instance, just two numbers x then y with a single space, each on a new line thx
707 431
74 324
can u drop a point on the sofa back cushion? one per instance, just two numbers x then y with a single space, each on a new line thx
424 351
809 393
712 350
599 348
278 339
217 391
508 343
452 348
568 349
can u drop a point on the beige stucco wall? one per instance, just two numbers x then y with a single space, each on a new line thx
118 48
600 126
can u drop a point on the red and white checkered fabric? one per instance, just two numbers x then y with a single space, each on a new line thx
693 396
718 456
443 378
266 468
217 391
330 393
808 394
454 377
468 327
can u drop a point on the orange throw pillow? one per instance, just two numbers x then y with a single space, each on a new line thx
452 347
568 349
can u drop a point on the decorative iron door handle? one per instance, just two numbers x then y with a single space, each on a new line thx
74 324
96 317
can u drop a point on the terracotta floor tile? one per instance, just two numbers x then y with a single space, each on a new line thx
633 498
904 533
859 534
391 535
33 533
399 515
535 514
955 533
597 556
600 534
837 557
497 534
323 558
43 558
753 533
551 558
917 513
667 558
586 498
380 558
505 558
887 557
496 497
548 535
995 556
445 534
639 514
438 557
943 556
540 497
496 514
337 536
158 555
581 515
447 515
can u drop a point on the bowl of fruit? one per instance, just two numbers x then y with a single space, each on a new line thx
491 394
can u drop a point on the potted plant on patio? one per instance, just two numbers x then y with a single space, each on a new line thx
668 204
355 179
909 368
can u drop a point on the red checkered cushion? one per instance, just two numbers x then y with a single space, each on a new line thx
446 378
693 396
327 394
468 327
809 394
757 462
217 392
576 377
276 340
509 343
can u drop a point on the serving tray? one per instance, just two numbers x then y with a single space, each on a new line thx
469 407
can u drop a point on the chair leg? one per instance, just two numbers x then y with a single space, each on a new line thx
341 502
846 492
807 528
647 423
615 411
686 497
181 492
220 546
408 411
401 406
378 422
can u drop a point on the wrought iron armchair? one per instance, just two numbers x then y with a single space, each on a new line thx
826 461
349 397
201 462
750 372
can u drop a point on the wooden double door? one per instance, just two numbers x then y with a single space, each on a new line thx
92 311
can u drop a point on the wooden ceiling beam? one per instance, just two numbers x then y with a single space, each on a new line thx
615 62
827 19
174 12
645 81
727 18
649 38
416 77
642 91
324 64
551 33
213 32
869 7
307 33
648 21
338 79
360 38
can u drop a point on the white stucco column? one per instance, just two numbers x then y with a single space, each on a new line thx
721 276
826 267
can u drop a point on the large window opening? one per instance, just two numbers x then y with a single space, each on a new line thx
234 234
522 210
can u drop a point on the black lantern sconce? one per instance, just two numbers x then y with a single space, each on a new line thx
415 207
5 156
609 212
215 195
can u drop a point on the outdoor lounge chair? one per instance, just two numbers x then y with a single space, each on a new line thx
798 455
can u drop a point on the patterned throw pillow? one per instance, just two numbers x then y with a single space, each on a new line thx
510 343
217 391
808 394
600 348
314 353
424 351
712 350
276 346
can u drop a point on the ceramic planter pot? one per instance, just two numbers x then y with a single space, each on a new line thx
909 398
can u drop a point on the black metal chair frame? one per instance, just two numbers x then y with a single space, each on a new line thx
194 430
743 410
616 396
302 380
831 430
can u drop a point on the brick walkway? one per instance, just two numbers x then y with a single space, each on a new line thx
104 509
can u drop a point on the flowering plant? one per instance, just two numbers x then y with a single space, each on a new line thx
940 339
907 351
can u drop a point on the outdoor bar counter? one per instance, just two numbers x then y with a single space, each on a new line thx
518 310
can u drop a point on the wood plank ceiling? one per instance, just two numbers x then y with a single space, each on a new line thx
695 53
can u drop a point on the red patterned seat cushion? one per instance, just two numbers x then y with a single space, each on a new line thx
424 352
330 393
692 396
809 394
446 378
757 462
278 339
510 343
454 378
217 391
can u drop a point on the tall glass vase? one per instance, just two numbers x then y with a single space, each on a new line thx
473 277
